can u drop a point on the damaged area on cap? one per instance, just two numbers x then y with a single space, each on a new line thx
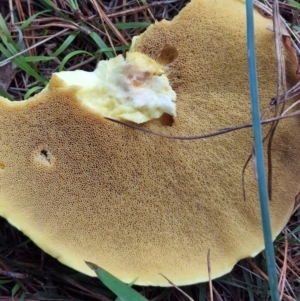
133 89
84 188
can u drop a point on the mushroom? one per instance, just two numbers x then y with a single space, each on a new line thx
84 188
133 89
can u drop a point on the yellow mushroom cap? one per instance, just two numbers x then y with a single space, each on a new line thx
86 189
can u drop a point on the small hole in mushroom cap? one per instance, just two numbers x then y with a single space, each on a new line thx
166 120
2 165
167 55
44 153
45 157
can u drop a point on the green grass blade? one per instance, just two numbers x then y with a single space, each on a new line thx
118 48
294 3
32 18
122 290
132 25
74 4
15 289
49 4
32 91
101 44
65 44
19 61
262 186
5 281
5 95
32 59
70 55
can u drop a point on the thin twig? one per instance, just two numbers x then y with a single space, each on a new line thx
208 135
180 290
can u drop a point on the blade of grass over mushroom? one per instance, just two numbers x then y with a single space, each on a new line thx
262 186
122 290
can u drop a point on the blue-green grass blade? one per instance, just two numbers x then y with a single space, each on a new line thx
5 32
258 280
202 291
248 282
233 282
20 43
122 290
47 296
262 186
129 284
23 297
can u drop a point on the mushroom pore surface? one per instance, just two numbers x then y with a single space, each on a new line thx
87 189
